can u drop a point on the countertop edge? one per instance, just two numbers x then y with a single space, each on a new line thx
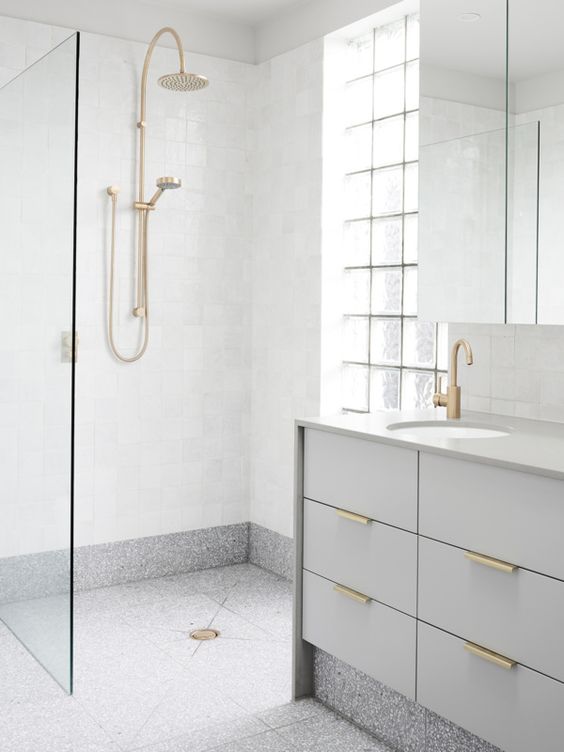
430 449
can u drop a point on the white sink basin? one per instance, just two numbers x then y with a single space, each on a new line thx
448 429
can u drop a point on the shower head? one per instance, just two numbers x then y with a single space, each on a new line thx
183 81
168 183
164 184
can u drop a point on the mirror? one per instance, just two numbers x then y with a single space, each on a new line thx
536 107
463 161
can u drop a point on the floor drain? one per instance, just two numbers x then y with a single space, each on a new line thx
204 634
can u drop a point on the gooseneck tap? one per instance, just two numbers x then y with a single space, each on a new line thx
452 399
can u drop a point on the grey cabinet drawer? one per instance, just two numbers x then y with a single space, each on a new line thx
516 709
376 559
520 612
375 480
373 638
502 513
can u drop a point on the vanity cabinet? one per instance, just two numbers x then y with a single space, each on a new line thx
440 577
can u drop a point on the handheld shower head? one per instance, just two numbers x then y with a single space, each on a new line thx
164 184
168 183
183 81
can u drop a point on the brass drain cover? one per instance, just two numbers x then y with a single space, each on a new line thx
204 634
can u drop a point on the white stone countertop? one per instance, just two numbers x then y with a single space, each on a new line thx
531 446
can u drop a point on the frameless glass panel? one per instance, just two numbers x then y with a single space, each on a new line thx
37 199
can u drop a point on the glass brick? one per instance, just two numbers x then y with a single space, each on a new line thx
418 344
357 195
386 291
417 390
410 238
387 191
386 241
357 291
413 35
384 389
389 45
389 92
412 86
442 347
359 101
388 141
411 197
355 387
360 56
410 291
356 339
357 243
412 136
358 148
385 342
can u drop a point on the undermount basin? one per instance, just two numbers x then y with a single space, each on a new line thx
432 429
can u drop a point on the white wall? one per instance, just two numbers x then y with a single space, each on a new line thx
163 444
286 113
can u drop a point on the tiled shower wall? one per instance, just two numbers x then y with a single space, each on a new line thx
162 445
165 445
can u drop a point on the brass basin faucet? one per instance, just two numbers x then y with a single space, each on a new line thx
451 400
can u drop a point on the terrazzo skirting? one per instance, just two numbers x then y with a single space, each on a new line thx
44 574
271 550
399 722
160 555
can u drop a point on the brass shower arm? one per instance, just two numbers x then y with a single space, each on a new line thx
147 63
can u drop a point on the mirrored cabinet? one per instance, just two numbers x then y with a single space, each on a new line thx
491 162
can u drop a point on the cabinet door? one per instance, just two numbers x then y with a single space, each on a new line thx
376 480
373 638
516 709
517 611
376 559
509 515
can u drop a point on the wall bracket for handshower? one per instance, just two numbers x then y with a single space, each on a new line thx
180 81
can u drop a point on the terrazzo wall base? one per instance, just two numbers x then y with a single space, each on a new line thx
271 550
160 555
403 724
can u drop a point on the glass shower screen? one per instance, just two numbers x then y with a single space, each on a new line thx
37 272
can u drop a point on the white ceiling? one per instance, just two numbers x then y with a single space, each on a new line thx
536 28
252 12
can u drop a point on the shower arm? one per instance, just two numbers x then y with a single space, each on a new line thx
142 124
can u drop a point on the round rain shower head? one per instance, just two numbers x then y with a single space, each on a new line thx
183 81
168 183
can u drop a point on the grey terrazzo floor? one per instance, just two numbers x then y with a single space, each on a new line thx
141 684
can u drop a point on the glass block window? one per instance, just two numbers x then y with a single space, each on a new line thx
391 359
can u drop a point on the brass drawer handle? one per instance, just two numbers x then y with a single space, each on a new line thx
489 655
488 561
359 597
353 517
